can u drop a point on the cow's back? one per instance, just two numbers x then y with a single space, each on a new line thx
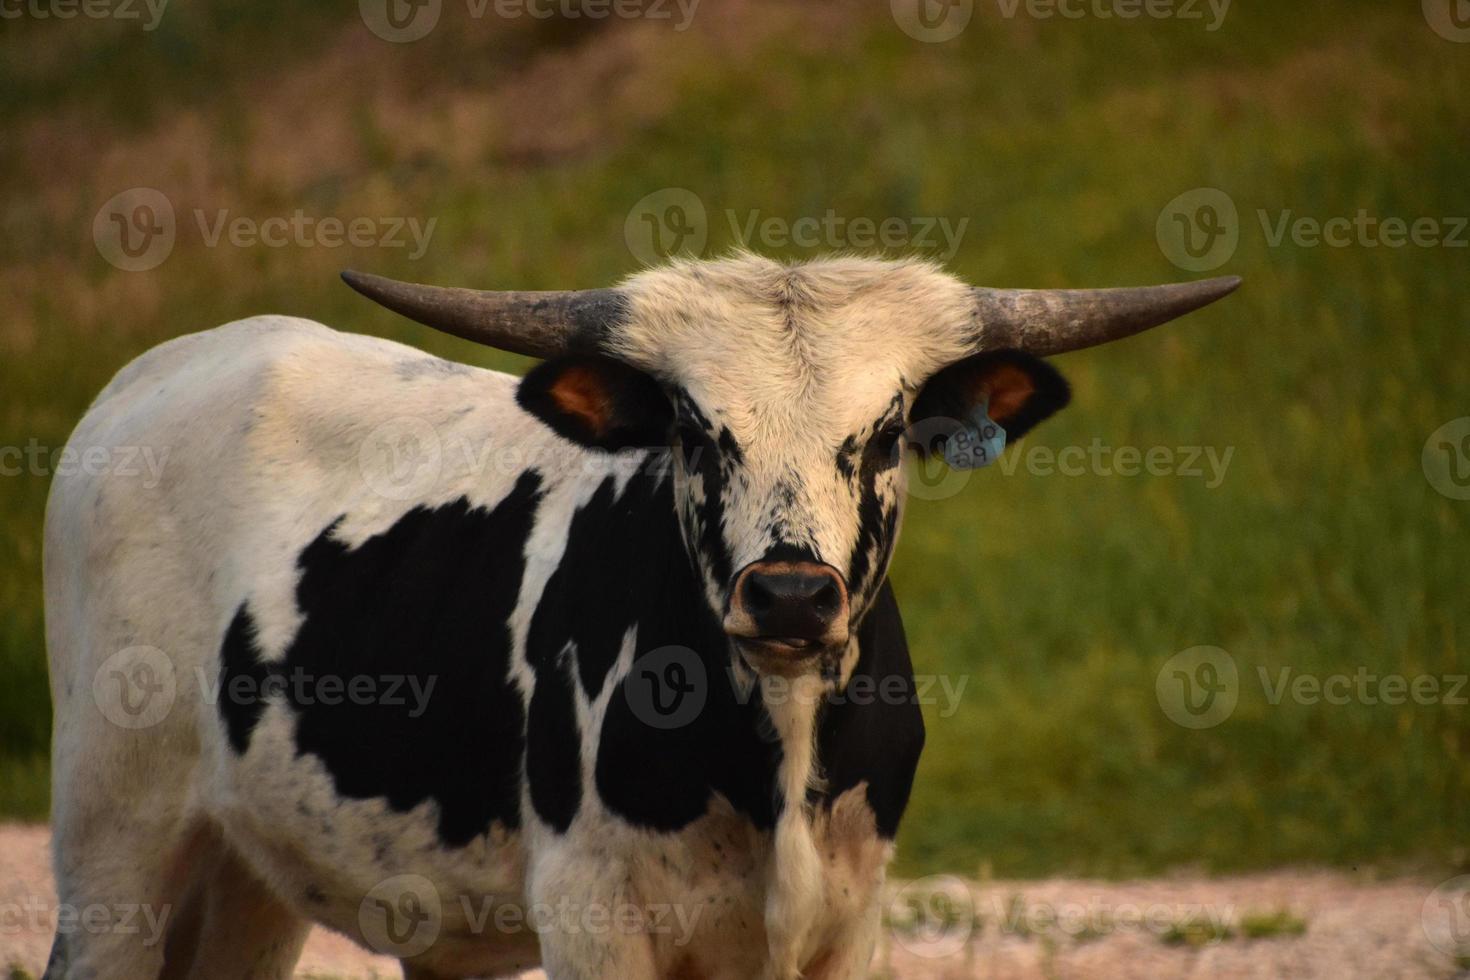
218 446
266 436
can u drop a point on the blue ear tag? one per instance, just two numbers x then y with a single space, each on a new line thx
978 441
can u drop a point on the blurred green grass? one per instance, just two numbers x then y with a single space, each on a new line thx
1058 598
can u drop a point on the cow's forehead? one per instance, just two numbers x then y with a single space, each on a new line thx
824 344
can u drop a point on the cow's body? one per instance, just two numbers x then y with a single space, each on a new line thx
522 577
598 667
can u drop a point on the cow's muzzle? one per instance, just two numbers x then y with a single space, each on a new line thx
782 613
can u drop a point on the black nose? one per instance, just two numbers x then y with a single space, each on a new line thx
792 600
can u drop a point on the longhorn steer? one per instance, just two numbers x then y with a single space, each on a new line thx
486 672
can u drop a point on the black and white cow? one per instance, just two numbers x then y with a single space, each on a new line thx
489 672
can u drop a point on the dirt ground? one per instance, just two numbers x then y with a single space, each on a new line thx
1277 924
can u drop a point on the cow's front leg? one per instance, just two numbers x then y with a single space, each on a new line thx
580 894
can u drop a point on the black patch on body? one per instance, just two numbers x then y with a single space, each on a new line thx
240 674
590 601
626 566
876 736
430 598
553 745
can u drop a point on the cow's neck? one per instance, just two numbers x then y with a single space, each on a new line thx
756 744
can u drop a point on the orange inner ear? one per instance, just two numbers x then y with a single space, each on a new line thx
580 391
1009 389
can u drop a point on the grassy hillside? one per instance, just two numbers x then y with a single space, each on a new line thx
1320 548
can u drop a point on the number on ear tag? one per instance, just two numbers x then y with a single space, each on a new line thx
977 442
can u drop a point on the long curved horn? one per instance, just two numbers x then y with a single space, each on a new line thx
1054 321
539 324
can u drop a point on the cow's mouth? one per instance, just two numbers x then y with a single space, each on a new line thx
786 616
782 655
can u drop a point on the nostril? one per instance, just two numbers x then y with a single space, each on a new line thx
758 598
827 599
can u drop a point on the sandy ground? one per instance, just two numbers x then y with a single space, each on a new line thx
948 929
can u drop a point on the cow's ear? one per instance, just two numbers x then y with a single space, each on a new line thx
597 402
1015 389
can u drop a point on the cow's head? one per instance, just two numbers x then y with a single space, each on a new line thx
788 394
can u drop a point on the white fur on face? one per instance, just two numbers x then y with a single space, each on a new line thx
790 367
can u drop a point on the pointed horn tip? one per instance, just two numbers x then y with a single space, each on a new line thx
1219 286
357 280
